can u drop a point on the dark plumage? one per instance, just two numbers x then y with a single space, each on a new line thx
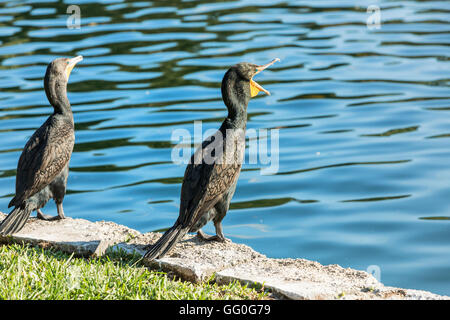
43 166
211 176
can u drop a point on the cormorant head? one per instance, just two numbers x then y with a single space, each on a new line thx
238 87
55 81
247 71
61 68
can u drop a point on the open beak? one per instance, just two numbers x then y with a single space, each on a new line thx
71 64
254 86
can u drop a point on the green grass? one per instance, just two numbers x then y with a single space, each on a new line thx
34 273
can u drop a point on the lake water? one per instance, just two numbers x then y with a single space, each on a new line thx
363 117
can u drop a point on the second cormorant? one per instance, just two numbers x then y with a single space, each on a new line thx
43 166
211 176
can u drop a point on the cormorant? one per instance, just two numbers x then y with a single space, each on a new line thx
43 166
212 173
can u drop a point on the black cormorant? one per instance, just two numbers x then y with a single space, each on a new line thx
43 166
211 176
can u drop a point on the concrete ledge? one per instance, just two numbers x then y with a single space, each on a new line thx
196 260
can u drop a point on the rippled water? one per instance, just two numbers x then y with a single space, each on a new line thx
363 116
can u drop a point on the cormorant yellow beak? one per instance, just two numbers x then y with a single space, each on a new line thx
71 64
254 86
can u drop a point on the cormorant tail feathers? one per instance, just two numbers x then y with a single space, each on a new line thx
166 242
16 219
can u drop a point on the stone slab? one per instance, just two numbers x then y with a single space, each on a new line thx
302 279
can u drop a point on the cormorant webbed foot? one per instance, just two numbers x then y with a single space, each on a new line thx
46 217
217 237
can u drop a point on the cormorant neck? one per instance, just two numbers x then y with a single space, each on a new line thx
236 99
56 90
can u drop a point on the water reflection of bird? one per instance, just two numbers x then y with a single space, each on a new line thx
43 166
211 176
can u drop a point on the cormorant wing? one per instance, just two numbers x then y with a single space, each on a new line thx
44 156
205 182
